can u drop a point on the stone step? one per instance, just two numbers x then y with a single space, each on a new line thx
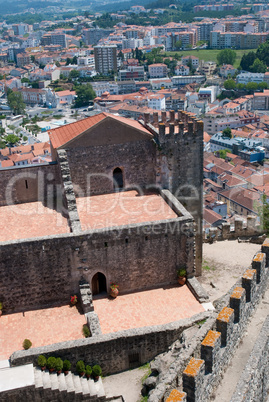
54 381
38 378
4 364
84 386
62 382
46 379
92 387
69 382
77 384
100 388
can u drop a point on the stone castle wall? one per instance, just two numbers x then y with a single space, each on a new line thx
199 367
29 184
114 352
45 271
254 381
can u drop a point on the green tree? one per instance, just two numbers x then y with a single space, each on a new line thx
15 102
262 85
178 44
258 66
222 153
229 84
247 60
73 74
263 52
121 55
84 93
12 139
227 132
226 56
57 64
240 86
252 86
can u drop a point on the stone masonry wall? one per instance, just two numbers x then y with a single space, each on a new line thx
92 168
113 351
44 271
41 183
254 381
236 324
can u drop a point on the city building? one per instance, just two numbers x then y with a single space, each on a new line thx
105 58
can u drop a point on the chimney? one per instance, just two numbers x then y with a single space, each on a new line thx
171 128
146 118
172 116
164 117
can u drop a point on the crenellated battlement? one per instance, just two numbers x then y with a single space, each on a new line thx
172 125
228 232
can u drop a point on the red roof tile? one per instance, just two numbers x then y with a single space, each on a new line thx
61 135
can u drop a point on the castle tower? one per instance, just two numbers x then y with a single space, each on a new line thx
179 164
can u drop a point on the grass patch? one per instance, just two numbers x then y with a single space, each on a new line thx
201 322
147 368
210 54
58 116
47 112
207 267
144 398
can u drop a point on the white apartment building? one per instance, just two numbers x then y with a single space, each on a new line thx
156 102
194 61
132 43
244 78
158 70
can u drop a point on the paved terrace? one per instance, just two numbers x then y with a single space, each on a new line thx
42 327
152 307
122 208
33 219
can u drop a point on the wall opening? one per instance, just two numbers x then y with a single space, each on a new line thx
99 284
117 179
134 360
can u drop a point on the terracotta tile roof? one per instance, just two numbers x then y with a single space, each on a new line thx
61 135
7 163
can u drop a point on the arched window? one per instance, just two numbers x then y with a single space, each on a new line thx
117 178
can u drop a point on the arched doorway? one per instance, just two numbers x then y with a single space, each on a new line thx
117 178
98 283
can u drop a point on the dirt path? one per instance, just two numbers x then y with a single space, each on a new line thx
223 264
128 384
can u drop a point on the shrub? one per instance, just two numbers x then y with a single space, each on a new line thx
58 364
26 344
1 306
51 362
88 370
66 365
96 370
41 361
182 272
80 367
86 331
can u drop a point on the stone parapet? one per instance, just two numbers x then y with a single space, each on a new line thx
258 263
193 377
237 302
210 349
249 283
225 321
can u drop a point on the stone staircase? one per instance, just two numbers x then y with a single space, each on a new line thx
70 387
